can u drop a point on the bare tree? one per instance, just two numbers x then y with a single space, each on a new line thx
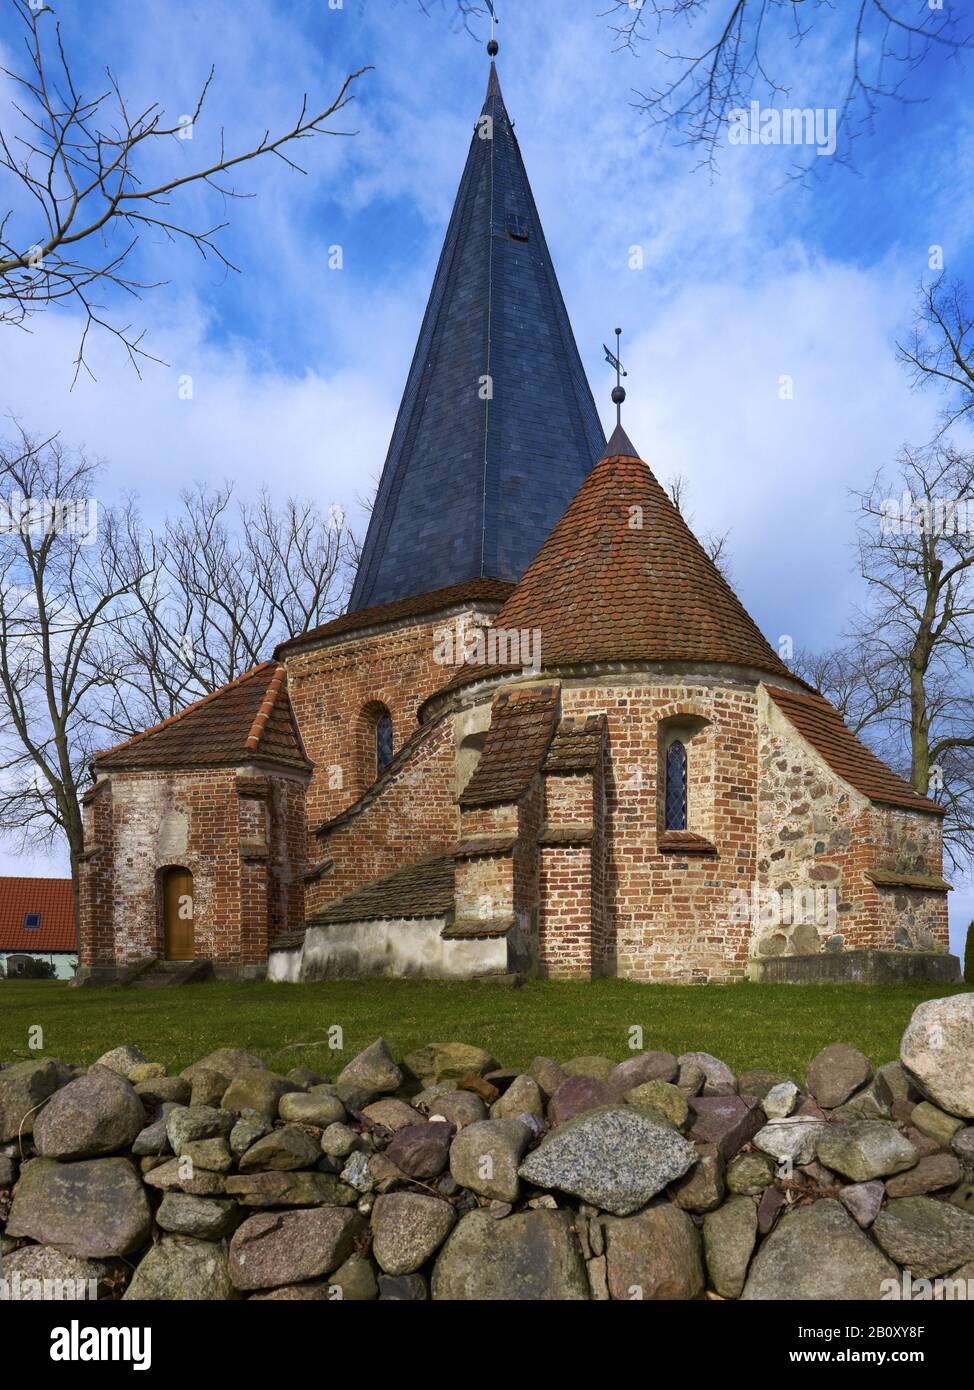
905 676
61 597
940 351
81 193
715 543
216 590
724 54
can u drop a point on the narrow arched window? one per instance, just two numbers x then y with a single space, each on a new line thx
676 786
383 743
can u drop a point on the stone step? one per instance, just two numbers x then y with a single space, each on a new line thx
173 972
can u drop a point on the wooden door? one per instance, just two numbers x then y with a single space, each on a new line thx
177 914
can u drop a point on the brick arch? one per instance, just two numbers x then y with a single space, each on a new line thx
366 729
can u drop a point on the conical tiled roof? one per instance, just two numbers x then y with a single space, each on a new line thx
497 425
248 720
623 578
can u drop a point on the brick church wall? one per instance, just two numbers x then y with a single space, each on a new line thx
336 689
412 815
241 837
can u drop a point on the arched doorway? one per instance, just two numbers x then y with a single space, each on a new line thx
178 912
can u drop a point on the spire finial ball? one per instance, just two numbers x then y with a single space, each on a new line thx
493 47
618 395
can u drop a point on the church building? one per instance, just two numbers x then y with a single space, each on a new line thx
545 739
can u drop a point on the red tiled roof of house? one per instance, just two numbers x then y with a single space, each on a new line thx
522 722
493 591
623 578
820 723
250 719
53 898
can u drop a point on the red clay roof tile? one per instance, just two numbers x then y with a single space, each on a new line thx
53 898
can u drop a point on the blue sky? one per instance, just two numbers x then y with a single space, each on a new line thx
747 276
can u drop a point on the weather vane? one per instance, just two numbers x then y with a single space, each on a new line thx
492 44
618 391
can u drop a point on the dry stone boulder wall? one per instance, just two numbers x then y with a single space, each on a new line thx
286 1248
937 1052
818 1252
93 1209
528 1256
23 1088
97 1114
654 1255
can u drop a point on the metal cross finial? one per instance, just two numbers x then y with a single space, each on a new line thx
618 391
492 44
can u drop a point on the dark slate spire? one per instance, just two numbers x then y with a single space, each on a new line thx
471 485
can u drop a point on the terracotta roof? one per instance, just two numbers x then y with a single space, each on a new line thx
53 899
522 721
248 720
623 578
820 723
417 605
417 890
576 745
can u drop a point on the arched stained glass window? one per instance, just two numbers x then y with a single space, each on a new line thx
676 786
383 743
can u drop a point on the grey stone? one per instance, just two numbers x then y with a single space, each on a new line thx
719 1080
937 1051
205 1218
154 1138
402 1288
836 1073
275 1248
316 1108
208 1087
446 1061
160 1090
522 1097
29 1268
793 1140
338 1141
548 1074
962 1144
95 1208
864 1149
691 1079
863 1201
749 1174
179 1269
121 1059
372 1073
247 1130
213 1155
283 1149
181 1175
390 1113
23 1087
897 1082
484 1157
758 1082
258 1090
935 1123
95 1115
458 1108
933 1172
613 1157
634 1071
702 1188
408 1228
655 1255
926 1236
355 1280
661 1096
817 1252
230 1061
780 1101
729 1234
529 1256
185 1124
289 1189
599 1067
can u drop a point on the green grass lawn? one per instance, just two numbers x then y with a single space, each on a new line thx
748 1025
